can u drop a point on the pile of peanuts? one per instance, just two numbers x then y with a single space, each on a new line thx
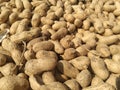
60 45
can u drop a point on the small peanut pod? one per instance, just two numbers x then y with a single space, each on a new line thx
35 82
84 78
14 27
98 26
66 68
109 6
29 54
113 66
60 77
83 49
48 77
72 84
26 14
114 49
99 68
13 83
35 20
23 26
114 80
58 47
25 35
4 16
69 18
2 59
116 29
27 4
9 69
103 49
45 54
33 41
103 86
43 45
56 86
108 39
19 5
36 66
81 62
96 81
66 41
57 25
59 34
13 17
69 54
45 20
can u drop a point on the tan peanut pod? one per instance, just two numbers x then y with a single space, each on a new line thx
37 66
25 35
114 80
14 27
41 9
47 21
48 77
7 42
35 20
84 78
71 27
81 62
13 17
9 69
35 40
59 25
78 23
66 42
26 14
66 68
69 18
53 2
116 29
4 26
102 86
35 82
59 12
96 81
4 52
58 47
98 25
43 54
46 27
13 82
99 68
110 63
4 16
59 34
72 84
58 85
22 26
29 54
51 15
44 45
83 49
103 49
3 59
69 54
60 77
107 39
108 32
22 75
19 5
114 49
27 4
109 8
